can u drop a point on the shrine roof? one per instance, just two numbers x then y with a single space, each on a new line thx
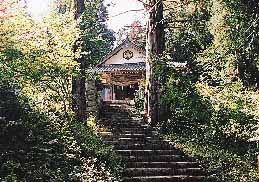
125 44
115 60
133 67
121 67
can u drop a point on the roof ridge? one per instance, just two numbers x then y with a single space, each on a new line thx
117 49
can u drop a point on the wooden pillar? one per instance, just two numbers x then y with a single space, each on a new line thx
113 92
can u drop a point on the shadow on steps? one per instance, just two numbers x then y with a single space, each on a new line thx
146 156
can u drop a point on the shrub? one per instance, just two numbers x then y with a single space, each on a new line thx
39 147
213 126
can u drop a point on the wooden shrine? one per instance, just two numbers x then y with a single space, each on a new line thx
121 72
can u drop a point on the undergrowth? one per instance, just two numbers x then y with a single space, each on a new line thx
36 147
214 127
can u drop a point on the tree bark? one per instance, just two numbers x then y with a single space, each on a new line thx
78 83
79 6
154 48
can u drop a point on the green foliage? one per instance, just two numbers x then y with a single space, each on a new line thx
183 99
222 163
233 54
41 141
95 38
36 147
216 134
214 105
38 58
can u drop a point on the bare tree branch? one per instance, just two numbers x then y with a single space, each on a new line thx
133 10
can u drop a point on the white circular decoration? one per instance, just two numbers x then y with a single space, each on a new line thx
127 54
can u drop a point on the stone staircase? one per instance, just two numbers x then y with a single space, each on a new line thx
146 156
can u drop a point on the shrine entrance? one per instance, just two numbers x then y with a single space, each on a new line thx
121 72
125 92
119 86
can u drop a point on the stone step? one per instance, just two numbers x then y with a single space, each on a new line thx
134 136
118 121
161 164
131 129
114 136
146 156
174 178
130 141
119 117
146 132
125 140
130 136
148 152
136 146
125 125
105 133
157 158
162 171
116 113
117 130
122 121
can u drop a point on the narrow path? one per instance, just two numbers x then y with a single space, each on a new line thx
146 156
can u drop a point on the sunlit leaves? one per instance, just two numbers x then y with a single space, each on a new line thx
37 55
219 109
95 39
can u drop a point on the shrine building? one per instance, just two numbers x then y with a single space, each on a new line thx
122 71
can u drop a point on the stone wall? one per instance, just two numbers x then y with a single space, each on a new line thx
93 99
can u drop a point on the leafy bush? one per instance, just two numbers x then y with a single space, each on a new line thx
214 107
211 129
36 147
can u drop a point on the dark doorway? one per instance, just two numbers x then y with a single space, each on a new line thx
125 92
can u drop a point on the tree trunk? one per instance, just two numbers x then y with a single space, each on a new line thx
154 48
79 6
78 83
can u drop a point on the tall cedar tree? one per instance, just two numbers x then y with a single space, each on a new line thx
154 48
78 85
94 42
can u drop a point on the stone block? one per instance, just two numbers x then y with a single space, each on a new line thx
91 92
92 104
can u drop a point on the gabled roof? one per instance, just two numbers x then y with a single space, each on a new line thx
126 43
134 67
140 66
121 67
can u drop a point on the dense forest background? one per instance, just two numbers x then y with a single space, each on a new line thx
213 106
